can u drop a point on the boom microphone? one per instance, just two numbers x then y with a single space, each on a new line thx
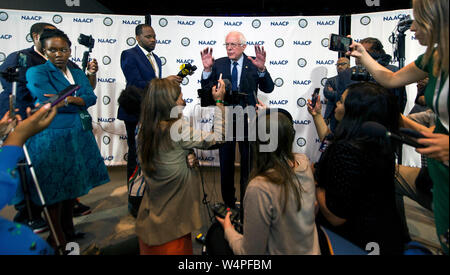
186 69
374 129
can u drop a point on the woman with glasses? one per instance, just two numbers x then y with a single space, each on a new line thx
65 156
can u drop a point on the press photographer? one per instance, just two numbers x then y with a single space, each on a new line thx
375 49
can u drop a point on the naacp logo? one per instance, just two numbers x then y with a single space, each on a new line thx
3 16
2 57
323 81
131 41
325 42
107 21
365 20
185 41
279 42
301 142
106 100
125 157
302 62
29 38
208 23
301 102
185 81
106 60
303 23
256 23
163 22
279 82
106 140
163 60
57 19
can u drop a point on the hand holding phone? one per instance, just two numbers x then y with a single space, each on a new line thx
59 97
315 95
339 43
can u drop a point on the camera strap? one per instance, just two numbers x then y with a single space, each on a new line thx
441 106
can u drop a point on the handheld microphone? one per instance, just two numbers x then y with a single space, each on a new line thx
374 129
186 69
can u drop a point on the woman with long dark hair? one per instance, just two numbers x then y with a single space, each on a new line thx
280 198
171 206
355 176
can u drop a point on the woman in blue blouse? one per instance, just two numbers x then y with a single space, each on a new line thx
65 155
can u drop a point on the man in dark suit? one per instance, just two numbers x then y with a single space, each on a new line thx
330 92
27 58
139 65
246 75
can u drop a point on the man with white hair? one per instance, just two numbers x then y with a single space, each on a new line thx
247 75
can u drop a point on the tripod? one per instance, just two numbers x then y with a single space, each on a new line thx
11 76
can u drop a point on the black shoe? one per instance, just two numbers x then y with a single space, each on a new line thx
74 236
80 209
38 225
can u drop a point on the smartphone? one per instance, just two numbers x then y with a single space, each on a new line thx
12 106
59 96
315 95
339 43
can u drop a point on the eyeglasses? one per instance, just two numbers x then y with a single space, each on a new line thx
341 64
63 50
232 45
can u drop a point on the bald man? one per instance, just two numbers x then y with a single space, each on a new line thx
331 92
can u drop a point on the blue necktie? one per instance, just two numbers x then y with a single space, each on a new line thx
234 77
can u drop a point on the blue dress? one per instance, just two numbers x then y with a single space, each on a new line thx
65 157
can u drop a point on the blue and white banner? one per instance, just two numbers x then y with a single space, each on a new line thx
298 60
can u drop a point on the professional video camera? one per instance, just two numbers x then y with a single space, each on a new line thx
89 42
359 73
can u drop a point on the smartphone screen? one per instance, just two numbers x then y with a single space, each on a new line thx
339 43
12 108
315 95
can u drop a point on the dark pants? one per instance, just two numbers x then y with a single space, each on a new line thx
131 141
227 157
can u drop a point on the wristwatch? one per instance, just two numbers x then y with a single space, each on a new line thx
66 102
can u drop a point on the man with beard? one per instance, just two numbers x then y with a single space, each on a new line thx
139 65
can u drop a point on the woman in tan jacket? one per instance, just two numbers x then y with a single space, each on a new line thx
171 207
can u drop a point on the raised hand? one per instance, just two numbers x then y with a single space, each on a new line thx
260 58
92 66
207 59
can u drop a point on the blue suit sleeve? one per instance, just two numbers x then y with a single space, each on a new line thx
9 176
86 92
39 84
330 95
129 66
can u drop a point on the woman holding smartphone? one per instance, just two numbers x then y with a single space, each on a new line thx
65 155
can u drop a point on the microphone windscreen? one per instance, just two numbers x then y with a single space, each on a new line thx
373 129
227 84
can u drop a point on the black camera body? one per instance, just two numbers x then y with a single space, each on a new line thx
87 41
359 73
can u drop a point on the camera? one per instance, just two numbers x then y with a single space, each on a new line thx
87 41
359 73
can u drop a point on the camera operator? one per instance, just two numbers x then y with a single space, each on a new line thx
359 73
34 56
431 29
246 74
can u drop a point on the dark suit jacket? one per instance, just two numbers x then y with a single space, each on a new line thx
23 96
332 97
250 80
138 72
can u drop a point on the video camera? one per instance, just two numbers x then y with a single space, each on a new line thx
89 42
359 73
